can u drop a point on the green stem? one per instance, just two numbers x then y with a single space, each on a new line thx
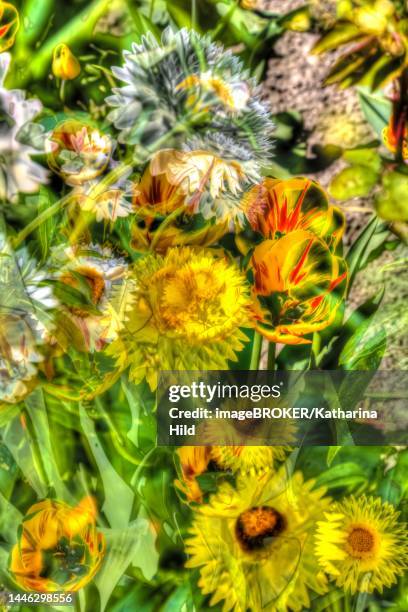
271 356
256 352
167 221
46 214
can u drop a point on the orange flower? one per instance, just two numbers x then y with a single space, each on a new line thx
193 462
156 193
9 24
395 135
300 284
64 63
59 548
276 207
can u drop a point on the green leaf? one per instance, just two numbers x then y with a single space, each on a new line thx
339 35
392 202
373 235
119 497
352 182
365 349
331 453
134 545
330 355
364 156
343 475
376 108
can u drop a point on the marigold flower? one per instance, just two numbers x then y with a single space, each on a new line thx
361 544
300 284
9 25
59 548
64 63
187 313
78 152
253 543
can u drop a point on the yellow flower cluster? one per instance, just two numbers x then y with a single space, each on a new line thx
262 545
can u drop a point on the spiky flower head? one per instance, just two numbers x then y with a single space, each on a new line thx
254 546
188 86
362 545
187 313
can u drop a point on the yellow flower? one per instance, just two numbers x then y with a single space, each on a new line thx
237 445
373 18
64 63
304 283
59 548
187 313
396 134
233 95
194 461
248 459
9 25
155 194
254 546
361 545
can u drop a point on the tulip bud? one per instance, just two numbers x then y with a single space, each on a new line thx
9 24
64 63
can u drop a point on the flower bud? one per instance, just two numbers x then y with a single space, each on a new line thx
64 63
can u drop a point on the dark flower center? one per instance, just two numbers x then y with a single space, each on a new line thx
256 526
360 542
64 562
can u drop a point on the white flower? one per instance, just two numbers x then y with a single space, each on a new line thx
18 172
109 204
18 356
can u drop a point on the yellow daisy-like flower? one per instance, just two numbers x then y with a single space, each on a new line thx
237 445
254 545
187 313
361 545
248 459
